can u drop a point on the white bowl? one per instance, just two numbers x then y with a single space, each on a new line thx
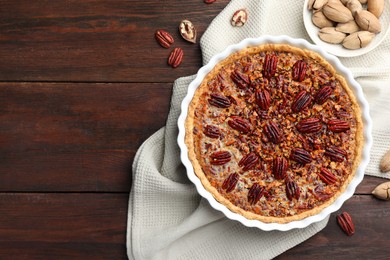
338 49
300 43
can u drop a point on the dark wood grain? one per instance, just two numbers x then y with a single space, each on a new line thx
75 137
369 241
63 226
92 226
98 41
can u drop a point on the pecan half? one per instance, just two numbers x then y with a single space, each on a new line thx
273 132
335 153
255 193
164 38
248 161
220 157
279 169
239 124
187 31
323 94
292 190
212 131
270 65
301 101
242 80
309 125
300 155
326 176
346 223
239 17
219 100
299 70
230 182
338 125
176 57
263 99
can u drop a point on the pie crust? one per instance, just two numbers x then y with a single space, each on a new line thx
247 112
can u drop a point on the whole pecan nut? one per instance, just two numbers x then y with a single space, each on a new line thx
164 38
219 100
292 190
299 70
301 101
279 168
239 124
242 80
230 182
176 57
255 193
263 99
300 155
220 157
239 17
187 31
335 153
248 161
323 94
338 125
326 176
270 65
212 131
309 125
346 223
273 132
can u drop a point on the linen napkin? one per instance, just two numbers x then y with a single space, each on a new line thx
167 219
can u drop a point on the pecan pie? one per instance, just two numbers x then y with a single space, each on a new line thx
274 133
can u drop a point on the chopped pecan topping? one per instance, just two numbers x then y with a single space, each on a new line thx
239 124
273 132
270 65
255 193
242 80
230 182
220 157
212 131
292 190
326 176
263 99
309 125
335 153
338 125
279 169
323 94
219 100
299 70
321 195
301 101
248 161
300 155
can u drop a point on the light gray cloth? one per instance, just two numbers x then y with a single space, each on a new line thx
167 219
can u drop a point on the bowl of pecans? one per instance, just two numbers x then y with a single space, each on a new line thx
347 28
275 133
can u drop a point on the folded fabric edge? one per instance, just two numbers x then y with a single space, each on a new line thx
130 242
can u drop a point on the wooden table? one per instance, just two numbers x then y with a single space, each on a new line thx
75 78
